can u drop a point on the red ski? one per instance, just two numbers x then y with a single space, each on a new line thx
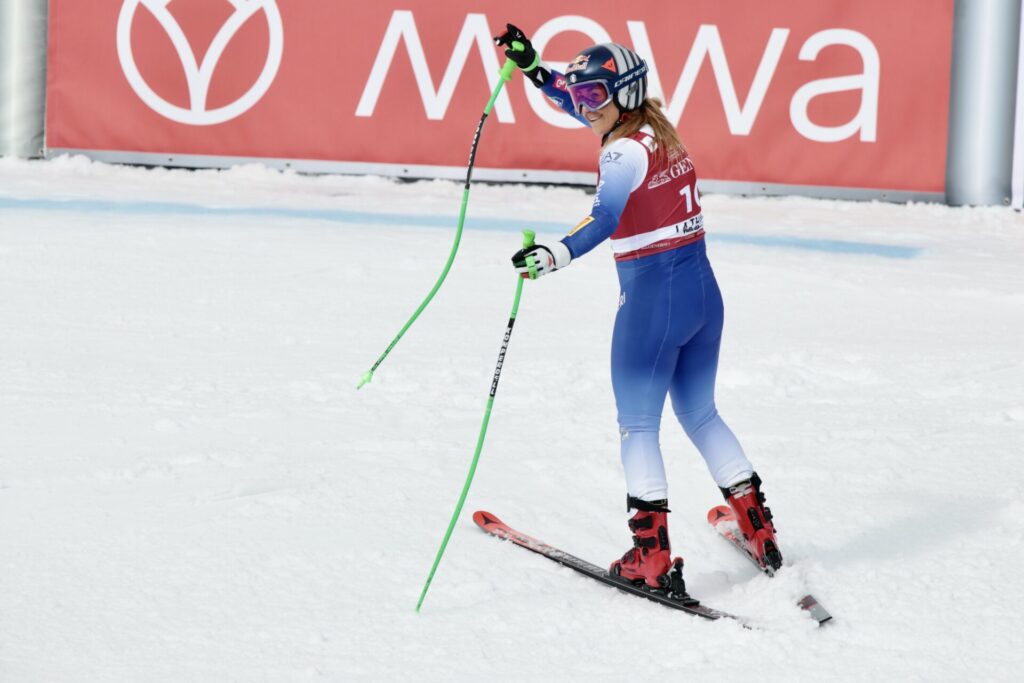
721 518
674 596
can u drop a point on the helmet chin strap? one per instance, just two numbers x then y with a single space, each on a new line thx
623 117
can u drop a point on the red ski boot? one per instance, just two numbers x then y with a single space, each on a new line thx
755 521
649 560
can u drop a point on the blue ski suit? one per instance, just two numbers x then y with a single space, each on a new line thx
668 328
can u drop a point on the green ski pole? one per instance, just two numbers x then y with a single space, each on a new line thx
528 236
506 74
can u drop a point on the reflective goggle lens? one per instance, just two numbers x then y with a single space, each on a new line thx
593 96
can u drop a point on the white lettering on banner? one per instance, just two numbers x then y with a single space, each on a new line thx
198 76
866 120
740 117
708 42
435 103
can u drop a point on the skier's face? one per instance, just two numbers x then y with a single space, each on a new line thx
602 120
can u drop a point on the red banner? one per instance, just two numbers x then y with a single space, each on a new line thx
803 92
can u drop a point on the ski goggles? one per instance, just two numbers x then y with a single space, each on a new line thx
591 94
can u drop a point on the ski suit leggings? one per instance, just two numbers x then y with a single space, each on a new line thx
666 340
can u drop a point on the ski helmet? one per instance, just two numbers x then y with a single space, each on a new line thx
620 70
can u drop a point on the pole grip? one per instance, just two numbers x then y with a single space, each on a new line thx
509 66
528 237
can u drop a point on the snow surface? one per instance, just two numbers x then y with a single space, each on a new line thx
191 488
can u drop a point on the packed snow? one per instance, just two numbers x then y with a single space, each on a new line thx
192 489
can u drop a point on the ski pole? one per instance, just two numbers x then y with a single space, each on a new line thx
505 74
528 236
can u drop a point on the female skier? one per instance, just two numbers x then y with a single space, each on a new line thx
669 324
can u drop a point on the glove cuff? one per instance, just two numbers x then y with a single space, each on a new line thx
539 73
561 254
536 62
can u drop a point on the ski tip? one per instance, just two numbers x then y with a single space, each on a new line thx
809 604
485 519
719 513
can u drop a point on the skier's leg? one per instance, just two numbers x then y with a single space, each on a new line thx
693 399
644 353
643 361
693 396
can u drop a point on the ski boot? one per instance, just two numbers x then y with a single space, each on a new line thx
755 522
649 561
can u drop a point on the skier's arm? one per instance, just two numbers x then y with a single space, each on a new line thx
623 168
537 72
554 87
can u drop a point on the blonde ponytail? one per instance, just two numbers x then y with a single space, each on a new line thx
667 143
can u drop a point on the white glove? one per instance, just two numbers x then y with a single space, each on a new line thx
532 262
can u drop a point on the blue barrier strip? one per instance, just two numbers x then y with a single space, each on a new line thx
372 218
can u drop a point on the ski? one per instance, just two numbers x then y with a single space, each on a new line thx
680 601
722 519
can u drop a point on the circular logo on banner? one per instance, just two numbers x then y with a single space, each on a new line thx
197 75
